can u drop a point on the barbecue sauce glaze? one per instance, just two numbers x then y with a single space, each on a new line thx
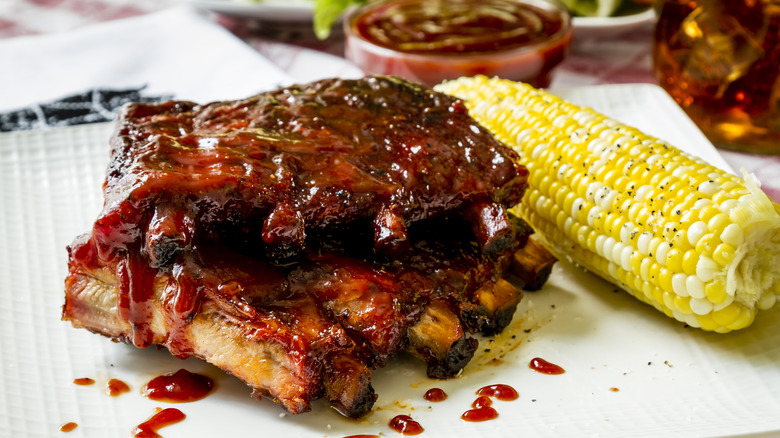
183 177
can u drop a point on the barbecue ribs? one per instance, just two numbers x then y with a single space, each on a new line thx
300 238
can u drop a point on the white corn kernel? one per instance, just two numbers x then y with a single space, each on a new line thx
678 285
701 306
706 268
626 231
609 200
643 192
609 246
600 244
695 287
661 252
617 252
643 243
625 258
767 301
732 235
701 203
695 231
644 268
593 214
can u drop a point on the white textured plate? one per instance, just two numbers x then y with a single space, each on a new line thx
605 27
671 380
290 11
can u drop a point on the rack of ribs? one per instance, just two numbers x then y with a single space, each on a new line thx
300 238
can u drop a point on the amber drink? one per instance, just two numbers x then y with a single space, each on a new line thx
720 60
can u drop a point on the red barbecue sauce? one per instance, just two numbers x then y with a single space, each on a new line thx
482 402
115 387
480 414
181 386
84 381
499 392
164 417
482 409
524 39
544 367
362 436
405 425
461 26
435 395
68 427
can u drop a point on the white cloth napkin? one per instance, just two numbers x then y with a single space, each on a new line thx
177 52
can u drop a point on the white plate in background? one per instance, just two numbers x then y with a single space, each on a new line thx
292 11
670 380
605 27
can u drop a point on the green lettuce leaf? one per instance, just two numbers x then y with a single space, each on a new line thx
328 12
593 8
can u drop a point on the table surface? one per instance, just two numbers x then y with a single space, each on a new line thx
623 58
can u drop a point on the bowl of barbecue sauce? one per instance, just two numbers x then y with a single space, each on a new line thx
428 41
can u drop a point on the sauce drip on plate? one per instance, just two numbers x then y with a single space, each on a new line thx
435 395
499 392
164 417
115 387
405 425
68 427
181 386
544 367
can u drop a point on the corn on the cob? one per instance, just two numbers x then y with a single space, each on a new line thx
697 243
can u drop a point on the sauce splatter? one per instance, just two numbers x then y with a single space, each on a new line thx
482 402
181 386
405 425
482 409
115 387
613 389
83 381
500 392
480 414
435 395
362 436
164 417
68 427
544 367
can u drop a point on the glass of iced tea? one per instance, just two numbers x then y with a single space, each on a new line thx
720 60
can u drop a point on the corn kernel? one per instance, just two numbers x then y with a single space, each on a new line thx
683 305
674 259
690 259
726 316
706 322
744 319
716 292
732 235
707 244
700 306
695 287
665 276
696 231
724 254
718 223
